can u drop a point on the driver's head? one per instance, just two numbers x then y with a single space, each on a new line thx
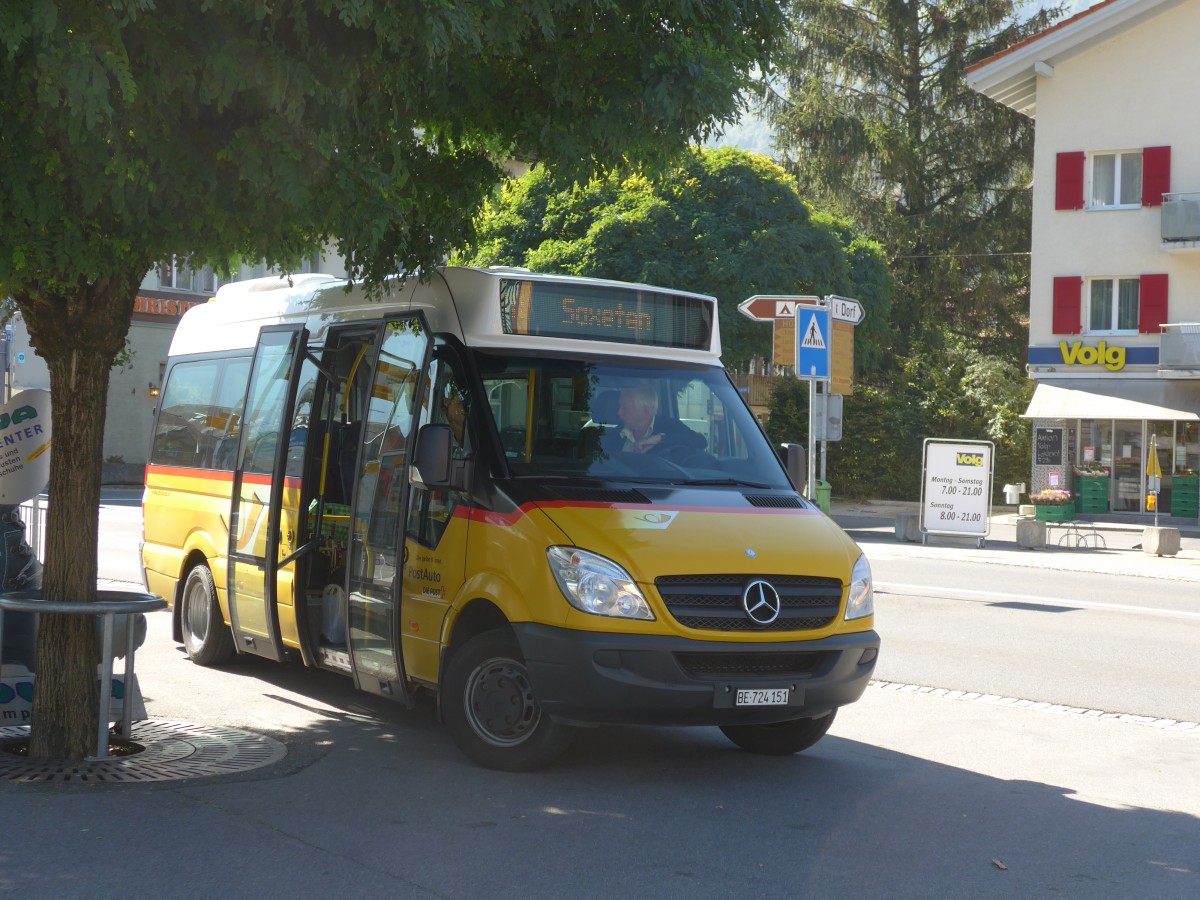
638 406
455 408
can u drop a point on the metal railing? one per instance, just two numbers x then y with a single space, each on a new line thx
107 605
33 514
1179 346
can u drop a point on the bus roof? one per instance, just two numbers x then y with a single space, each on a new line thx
498 307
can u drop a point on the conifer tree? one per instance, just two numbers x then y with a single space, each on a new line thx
874 117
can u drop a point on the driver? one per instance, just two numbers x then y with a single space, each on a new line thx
643 430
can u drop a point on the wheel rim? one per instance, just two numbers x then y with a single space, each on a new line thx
196 613
499 702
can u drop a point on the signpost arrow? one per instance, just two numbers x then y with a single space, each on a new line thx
845 309
769 307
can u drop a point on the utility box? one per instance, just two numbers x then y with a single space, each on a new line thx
824 489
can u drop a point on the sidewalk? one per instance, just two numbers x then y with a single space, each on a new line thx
1112 548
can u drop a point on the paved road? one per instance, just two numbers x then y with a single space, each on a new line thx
912 794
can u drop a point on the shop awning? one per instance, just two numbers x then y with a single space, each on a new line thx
1104 399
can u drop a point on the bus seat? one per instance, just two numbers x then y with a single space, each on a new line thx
604 408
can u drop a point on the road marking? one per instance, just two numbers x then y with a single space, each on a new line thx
932 593
1039 706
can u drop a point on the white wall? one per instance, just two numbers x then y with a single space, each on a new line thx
130 406
1129 92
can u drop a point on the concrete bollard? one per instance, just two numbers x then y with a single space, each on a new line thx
1027 510
1160 541
1031 534
908 527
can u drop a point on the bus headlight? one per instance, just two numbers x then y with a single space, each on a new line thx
861 601
596 585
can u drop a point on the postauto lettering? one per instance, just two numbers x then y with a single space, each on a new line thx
1112 358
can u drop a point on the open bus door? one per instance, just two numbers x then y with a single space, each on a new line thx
260 490
381 485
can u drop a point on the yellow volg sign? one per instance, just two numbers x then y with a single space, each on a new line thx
1076 354
968 459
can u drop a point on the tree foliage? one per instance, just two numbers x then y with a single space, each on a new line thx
876 120
134 131
720 222
874 117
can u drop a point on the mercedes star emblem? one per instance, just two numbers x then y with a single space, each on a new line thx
761 602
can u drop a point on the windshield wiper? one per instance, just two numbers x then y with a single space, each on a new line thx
733 482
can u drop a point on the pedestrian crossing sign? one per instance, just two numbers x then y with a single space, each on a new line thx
812 343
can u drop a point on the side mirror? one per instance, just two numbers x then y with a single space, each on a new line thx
795 460
431 459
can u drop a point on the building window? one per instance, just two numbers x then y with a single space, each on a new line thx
1113 305
1116 180
175 274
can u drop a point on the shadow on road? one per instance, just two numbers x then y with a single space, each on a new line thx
376 797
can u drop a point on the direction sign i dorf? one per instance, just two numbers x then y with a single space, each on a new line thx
845 309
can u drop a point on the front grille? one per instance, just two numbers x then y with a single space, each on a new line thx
714 602
733 665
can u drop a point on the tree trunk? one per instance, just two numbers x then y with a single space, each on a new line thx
79 333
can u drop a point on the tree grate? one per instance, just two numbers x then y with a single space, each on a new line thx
171 751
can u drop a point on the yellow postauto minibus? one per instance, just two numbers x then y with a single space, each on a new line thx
540 497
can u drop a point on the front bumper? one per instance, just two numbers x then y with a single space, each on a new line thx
588 678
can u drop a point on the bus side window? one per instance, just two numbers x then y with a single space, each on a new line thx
182 412
227 406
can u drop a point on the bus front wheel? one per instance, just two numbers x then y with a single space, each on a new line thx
491 711
206 637
779 738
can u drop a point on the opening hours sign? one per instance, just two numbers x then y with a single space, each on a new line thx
956 488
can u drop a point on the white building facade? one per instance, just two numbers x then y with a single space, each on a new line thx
1114 317
167 292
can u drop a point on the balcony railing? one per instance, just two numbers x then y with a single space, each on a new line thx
1181 217
1179 347
756 388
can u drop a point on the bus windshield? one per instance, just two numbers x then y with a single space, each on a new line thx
639 420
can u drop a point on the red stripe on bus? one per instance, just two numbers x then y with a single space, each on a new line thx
492 517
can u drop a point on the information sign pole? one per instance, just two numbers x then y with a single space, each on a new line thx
812 362
1153 475
810 487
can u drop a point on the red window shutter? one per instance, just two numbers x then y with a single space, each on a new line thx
1068 181
1068 305
1152 303
1156 174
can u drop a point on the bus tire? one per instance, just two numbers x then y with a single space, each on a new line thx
779 738
491 711
206 637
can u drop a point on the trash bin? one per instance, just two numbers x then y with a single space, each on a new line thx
1013 492
823 489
